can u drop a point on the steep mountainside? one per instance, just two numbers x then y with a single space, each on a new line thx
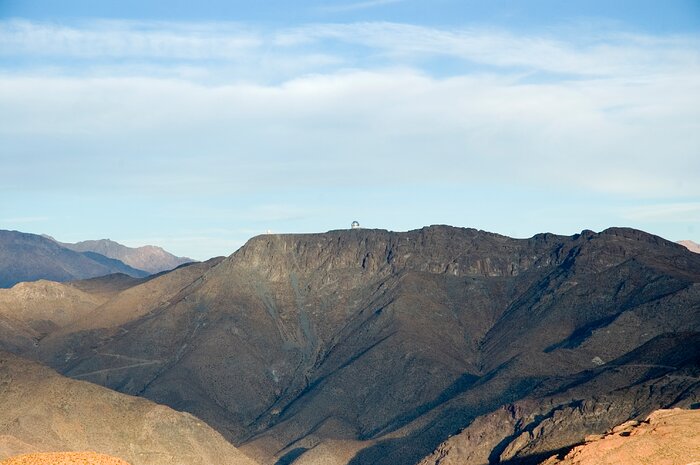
29 257
41 411
373 347
148 258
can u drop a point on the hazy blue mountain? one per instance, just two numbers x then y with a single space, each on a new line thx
29 257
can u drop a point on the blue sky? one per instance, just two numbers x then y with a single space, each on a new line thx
196 125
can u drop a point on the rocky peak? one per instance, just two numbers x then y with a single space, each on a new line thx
433 249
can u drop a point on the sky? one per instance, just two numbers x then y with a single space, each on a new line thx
197 125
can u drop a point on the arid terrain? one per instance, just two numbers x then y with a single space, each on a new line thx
440 345
666 437
42 411
63 458
690 245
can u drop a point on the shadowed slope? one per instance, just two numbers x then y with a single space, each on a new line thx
43 411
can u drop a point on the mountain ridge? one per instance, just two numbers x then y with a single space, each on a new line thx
150 258
28 257
388 343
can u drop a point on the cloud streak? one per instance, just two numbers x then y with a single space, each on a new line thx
358 6
238 46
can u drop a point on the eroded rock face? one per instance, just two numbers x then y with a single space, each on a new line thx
664 437
388 343
561 414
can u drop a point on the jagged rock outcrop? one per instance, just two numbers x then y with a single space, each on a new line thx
664 437
562 413
385 344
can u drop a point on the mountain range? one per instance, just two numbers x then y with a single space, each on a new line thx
435 346
30 257
149 258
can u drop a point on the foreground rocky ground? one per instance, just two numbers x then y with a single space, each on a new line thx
666 437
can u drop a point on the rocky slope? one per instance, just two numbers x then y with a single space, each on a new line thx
561 413
373 347
41 411
664 437
149 258
29 257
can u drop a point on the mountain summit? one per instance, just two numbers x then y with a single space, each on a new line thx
150 258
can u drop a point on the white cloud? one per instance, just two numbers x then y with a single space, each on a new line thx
357 127
237 50
611 54
624 122
127 39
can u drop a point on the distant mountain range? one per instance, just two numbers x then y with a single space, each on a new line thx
368 347
690 245
30 257
148 258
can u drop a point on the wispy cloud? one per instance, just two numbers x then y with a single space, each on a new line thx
598 55
619 102
101 39
239 50
357 5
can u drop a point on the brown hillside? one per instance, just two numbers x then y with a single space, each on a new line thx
41 411
63 458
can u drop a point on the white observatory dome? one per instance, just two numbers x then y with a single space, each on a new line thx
355 225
